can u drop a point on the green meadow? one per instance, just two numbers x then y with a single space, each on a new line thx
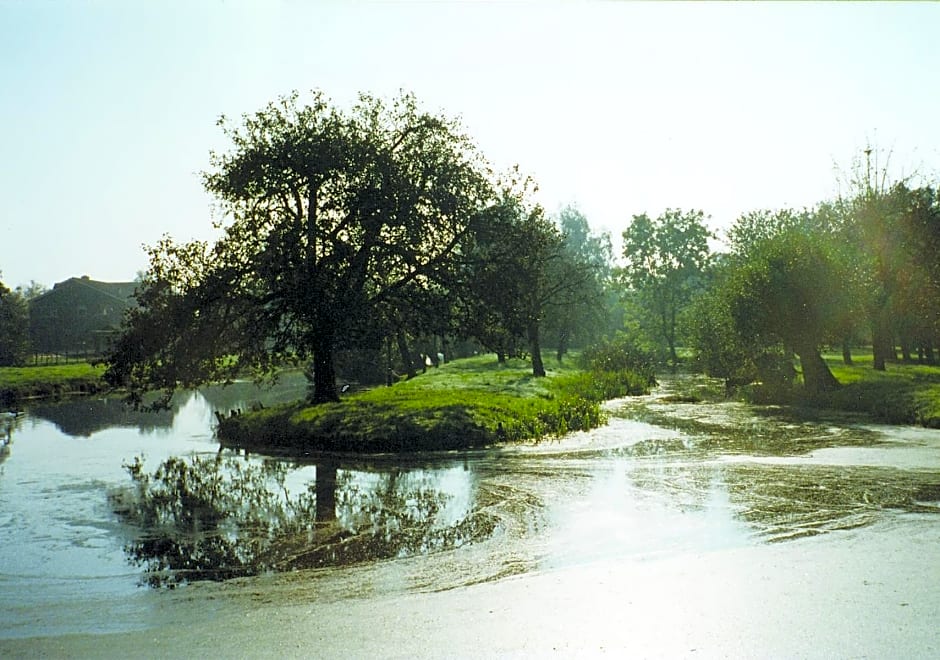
905 393
17 383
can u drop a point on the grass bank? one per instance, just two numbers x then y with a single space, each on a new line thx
902 394
18 383
466 403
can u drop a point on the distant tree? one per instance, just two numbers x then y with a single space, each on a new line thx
520 275
665 260
330 218
32 290
875 214
914 280
14 327
583 317
488 307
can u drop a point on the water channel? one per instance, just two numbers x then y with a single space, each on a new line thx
676 473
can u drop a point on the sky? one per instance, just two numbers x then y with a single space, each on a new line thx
108 109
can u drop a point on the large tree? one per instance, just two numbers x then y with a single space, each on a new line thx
752 231
788 293
664 263
883 221
329 218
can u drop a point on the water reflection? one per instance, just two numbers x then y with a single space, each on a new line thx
223 517
9 422
82 418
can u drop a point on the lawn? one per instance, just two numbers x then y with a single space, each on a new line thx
903 394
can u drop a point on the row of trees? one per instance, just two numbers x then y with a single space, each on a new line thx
861 269
380 226
354 230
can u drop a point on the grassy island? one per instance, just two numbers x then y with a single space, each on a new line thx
471 402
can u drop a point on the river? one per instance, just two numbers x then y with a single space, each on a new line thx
683 506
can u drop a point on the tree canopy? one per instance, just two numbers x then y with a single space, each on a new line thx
14 327
664 265
583 315
329 218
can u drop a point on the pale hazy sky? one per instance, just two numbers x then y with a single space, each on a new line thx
109 107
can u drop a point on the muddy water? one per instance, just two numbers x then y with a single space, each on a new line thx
675 474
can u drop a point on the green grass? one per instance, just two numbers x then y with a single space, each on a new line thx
902 394
466 403
52 380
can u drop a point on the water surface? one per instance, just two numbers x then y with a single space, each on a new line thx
664 479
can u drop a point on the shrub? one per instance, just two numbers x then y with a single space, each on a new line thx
620 354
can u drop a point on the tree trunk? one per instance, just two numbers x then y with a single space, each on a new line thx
324 372
878 343
673 356
928 352
538 368
562 345
846 352
817 377
906 350
405 354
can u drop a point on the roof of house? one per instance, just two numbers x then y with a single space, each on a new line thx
121 291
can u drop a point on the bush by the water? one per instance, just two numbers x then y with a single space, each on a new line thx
620 355
902 394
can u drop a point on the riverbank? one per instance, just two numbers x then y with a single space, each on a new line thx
862 593
21 383
472 402
902 394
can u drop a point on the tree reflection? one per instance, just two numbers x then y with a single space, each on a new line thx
219 518
9 422
81 418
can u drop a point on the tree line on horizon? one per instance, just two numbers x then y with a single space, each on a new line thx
367 241
859 270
